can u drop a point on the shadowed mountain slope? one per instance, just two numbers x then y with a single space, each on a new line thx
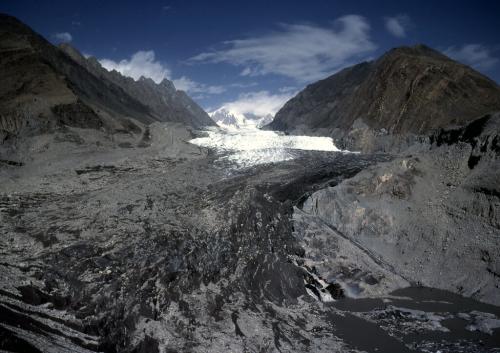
43 87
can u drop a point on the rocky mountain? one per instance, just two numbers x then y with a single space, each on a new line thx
44 87
232 119
408 90
165 102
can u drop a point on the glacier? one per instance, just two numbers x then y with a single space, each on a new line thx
246 147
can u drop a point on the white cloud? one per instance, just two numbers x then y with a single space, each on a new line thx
475 55
141 63
246 71
144 63
186 84
259 103
63 37
288 89
243 85
398 25
303 52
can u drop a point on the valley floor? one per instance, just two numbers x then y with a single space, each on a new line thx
165 247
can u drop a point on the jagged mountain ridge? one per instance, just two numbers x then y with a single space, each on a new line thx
43 87
407 90
165 101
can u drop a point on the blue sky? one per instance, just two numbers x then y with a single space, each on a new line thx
252 56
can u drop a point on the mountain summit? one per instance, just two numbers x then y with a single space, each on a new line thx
231 119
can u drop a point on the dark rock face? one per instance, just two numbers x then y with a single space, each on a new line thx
77 115
409 90
42 86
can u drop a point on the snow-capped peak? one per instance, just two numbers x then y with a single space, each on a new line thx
231 119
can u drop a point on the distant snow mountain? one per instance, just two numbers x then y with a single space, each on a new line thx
234 120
